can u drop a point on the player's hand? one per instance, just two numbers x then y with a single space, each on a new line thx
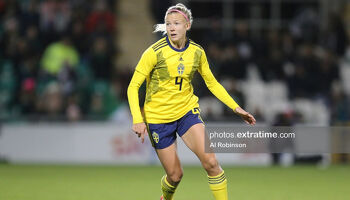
140 129
246 116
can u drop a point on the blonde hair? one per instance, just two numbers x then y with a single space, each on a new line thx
180 7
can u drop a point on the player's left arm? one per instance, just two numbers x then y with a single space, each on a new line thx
220 92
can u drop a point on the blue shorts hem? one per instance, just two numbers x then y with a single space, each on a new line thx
187 128
163 146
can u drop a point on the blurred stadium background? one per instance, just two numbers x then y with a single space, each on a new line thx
65 66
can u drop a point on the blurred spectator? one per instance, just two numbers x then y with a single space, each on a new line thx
100 57
288 46
7 87
233 65
100 19
298 83
10 35
26 77
28 97
51 102
215 57
73 112
96 108
28 68
214 32
79 37
30 15
32 36
243 41
55 16
58 55
2 7
335 37
283 123
105 99
305 26
59 62
272 66
302 83
328 72
340 108
271 62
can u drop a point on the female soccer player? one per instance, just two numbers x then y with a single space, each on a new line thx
170 105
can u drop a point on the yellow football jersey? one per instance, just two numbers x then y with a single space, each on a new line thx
169 72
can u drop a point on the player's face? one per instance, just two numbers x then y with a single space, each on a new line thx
176 26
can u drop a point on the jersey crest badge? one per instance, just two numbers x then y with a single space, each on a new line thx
180 69
155 137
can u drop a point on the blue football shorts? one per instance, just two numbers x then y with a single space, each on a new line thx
163 135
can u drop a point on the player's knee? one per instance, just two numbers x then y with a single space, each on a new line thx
210 164
175 176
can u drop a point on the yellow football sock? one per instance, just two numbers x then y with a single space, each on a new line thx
167 189
218 185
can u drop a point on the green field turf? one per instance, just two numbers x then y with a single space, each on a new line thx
33 182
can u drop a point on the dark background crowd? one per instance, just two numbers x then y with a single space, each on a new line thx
302 56
57 58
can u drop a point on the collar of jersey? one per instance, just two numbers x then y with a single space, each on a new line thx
178 50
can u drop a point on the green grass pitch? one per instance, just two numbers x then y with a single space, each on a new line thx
42 182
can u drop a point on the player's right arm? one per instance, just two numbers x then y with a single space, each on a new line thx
142 70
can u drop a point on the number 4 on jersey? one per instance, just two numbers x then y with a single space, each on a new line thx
179 82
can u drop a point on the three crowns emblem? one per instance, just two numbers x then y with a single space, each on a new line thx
155 137
180 69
